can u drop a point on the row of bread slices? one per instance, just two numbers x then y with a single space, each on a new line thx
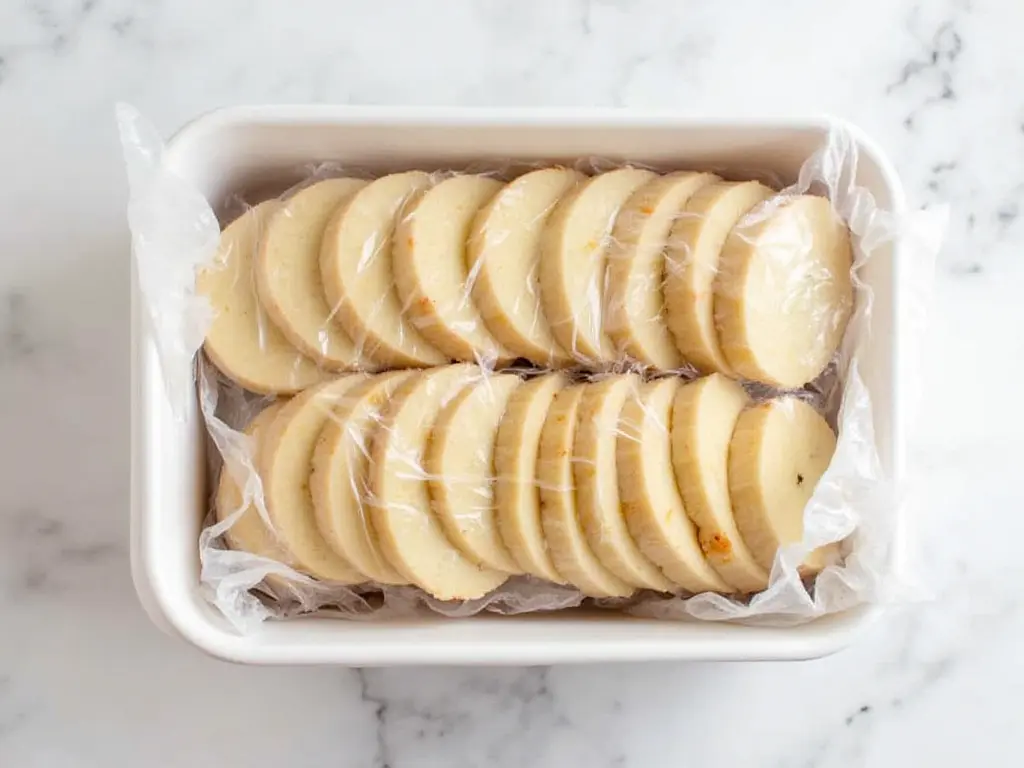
413 270
453 480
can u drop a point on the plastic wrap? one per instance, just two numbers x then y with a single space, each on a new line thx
464 390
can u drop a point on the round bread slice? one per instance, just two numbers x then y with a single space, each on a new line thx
692 262
703 417
503 252
460 467
818 559
429 255
784 292
288 273
248 533
338 482
285 460
242 341
651 502
778 453
573 255
410 535
358 278
516 494
635 318
570 551
597 484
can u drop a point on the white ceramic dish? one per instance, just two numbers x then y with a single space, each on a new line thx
243 147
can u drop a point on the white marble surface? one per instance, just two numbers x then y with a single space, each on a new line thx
86 681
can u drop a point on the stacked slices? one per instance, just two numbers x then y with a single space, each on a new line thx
413 270
453 479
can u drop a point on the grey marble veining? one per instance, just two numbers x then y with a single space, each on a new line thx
85 680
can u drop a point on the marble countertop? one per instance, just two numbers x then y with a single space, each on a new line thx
85 680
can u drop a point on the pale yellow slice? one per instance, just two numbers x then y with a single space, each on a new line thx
784 292
288 273
818 559
460 467
358 277
570 551
597 484
636 318
285 460
516 494
242 341
431 273
778 453
703 417
503 253
692 263
651 502
248 533
573 256
410 535
339 477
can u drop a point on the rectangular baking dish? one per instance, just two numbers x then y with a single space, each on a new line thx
248 147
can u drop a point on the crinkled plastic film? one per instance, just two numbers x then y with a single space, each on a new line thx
389 326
